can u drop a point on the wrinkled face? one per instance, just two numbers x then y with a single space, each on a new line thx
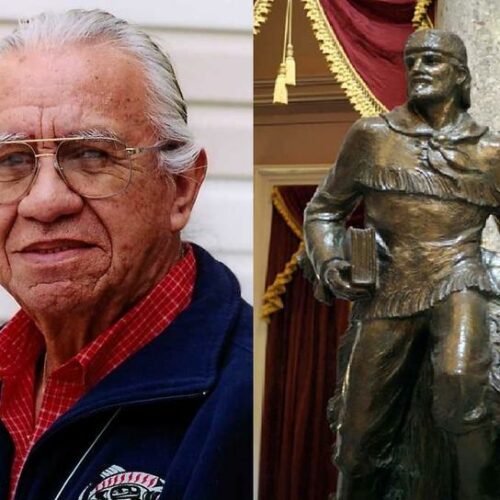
62 253
431 76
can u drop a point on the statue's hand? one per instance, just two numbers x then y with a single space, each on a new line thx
336 276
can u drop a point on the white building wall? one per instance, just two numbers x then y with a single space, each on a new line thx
210 44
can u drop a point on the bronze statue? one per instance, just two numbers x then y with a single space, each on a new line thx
429 177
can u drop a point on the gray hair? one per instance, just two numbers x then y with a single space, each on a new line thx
167 108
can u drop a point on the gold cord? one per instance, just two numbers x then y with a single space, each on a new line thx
271 301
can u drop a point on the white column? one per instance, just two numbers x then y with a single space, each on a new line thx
477 22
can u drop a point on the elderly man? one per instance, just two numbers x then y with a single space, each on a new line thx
127 373
429 177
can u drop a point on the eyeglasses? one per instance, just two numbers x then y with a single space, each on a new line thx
91 167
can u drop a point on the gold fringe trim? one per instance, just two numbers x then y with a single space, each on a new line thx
421 19
280 205
271 301
261 9
355 88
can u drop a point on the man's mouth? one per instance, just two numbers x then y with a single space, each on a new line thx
54 251
54 246
421 79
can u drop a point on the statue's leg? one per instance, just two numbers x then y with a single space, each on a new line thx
461 357
378 383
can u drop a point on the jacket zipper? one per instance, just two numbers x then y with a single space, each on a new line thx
84 456
118 408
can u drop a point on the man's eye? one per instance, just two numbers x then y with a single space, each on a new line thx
431 60
16 159
410 61
89 154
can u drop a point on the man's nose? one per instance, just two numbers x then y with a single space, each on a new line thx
417 64
49 197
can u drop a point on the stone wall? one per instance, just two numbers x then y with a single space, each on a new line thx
477 22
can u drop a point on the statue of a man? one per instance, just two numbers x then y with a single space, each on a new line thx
429 177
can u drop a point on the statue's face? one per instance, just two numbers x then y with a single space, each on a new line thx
432 77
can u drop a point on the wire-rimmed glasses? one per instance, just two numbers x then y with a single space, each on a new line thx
91 167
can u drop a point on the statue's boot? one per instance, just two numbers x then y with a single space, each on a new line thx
475 474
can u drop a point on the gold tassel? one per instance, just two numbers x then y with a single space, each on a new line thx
289 61
290 65
280 91
286 73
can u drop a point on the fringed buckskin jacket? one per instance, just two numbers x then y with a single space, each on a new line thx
426 194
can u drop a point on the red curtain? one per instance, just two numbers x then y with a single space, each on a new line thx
372 34
300 375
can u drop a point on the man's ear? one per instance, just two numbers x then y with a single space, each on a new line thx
187 185
462 75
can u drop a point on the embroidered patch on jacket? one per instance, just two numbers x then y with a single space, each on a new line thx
119 484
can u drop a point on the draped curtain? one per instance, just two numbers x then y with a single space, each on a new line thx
300 369
363 42
300 374
372 34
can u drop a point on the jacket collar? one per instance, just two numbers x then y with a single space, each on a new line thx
185 359
404 120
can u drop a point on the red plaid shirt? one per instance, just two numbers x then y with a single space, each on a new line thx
22 347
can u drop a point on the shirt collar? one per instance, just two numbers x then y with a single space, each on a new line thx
404 120
188 357
143 321
21 343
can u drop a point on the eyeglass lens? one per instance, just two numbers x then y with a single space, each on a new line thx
94 168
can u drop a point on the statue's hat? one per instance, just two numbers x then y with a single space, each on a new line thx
441 41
